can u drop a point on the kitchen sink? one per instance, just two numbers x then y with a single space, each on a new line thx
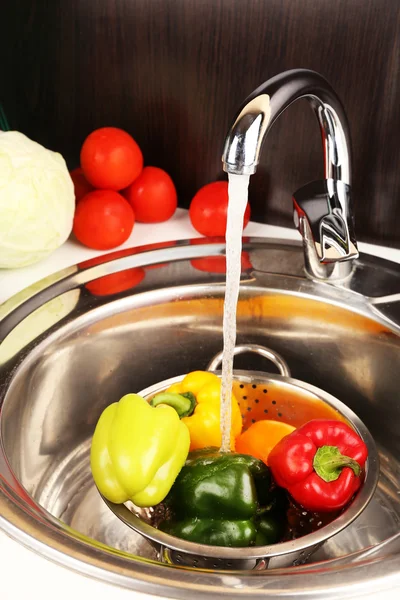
84 337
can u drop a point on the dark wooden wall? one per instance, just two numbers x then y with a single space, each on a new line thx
173 72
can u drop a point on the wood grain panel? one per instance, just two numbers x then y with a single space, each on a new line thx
173 72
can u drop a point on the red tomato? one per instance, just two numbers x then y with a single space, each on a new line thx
116 282
103 220
81 184
111 159
152 196
208 209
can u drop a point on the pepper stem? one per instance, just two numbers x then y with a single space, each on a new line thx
329 462
184 404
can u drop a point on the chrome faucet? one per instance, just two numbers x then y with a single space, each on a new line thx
322 209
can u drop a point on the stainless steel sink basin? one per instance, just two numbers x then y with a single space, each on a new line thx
70 347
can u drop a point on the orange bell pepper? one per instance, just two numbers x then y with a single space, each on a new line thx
259 439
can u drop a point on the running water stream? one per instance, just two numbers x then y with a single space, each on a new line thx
238 191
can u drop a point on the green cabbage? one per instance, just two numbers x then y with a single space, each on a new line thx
37 201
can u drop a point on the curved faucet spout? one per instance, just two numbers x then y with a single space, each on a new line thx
322 210
264 106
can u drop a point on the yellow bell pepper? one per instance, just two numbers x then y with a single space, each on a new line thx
204 423
138 451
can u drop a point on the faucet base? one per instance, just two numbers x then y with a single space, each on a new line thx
322 214
314 268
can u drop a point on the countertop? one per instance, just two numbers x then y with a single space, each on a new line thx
24 574
177 228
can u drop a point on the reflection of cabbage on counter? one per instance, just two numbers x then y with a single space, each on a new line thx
37 200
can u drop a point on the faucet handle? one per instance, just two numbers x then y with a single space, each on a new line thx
324 208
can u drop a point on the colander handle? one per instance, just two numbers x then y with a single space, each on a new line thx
265 352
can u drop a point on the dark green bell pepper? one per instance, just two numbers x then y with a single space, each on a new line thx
213 532
270 529
215 499
271 518
218 485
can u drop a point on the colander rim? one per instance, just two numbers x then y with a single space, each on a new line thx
301 544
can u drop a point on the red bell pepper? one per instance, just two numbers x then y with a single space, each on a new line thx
320 464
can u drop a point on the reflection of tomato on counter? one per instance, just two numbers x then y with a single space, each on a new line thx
113 283
121 281
249 496
216 264
116 283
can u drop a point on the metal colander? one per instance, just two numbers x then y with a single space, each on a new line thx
263 396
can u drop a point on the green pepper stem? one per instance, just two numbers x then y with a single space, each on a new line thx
184 404
329 462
